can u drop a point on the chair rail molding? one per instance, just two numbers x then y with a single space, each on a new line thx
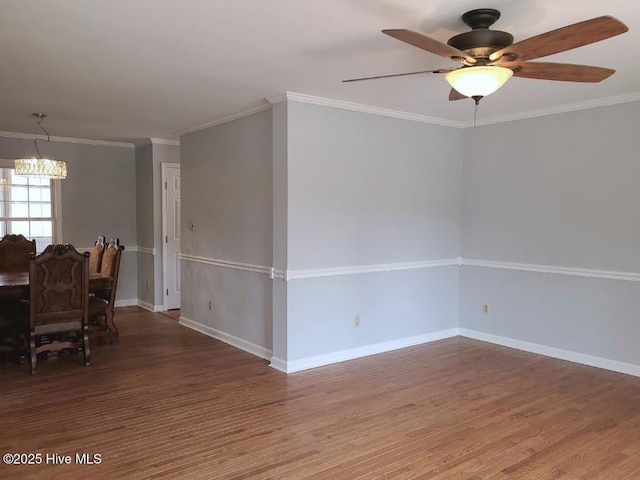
248 267
382 267
129 249
556 270
289 275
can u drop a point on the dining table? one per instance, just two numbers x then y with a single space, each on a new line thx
16 284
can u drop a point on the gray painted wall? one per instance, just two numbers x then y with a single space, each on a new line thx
144 209
98 197
559 190
161 154
311 187
392 306
149 160
362 190
280 228
366 189
227 174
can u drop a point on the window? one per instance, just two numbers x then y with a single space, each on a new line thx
27 206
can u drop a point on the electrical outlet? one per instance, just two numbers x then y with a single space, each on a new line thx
210 304
485 308
356 320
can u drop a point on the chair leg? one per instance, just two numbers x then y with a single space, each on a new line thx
85 347
32 353
113 330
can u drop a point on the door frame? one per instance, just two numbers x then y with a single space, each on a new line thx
165 257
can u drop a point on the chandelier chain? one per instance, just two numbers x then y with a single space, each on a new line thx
35 140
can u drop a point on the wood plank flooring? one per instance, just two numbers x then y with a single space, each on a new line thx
168 402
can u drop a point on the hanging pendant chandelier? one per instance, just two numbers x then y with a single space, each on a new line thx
41 167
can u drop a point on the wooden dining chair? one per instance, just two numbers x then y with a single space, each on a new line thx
101 305
95 255
58 301
15 252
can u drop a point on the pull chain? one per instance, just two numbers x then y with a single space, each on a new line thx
476 98
475 115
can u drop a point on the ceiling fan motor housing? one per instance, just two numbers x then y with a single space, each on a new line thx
481 42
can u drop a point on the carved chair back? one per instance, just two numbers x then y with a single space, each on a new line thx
15 252
59 298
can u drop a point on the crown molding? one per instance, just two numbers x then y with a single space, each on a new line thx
357 107
570 107
83 141
414 117
283 97
165 141
157 141
227 118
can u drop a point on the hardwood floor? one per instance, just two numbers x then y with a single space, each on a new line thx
178 404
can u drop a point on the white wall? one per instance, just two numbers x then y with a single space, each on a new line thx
559 191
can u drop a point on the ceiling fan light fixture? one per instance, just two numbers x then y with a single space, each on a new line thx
478 81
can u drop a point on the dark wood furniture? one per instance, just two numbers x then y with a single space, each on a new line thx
58 301
16 284
102 303
15 251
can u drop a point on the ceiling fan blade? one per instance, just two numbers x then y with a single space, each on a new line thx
565 72
429 44
441 70
455 95
563 39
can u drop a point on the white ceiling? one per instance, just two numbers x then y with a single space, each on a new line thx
129 69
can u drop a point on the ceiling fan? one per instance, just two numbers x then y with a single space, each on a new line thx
489 57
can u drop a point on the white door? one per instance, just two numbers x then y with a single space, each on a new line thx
171 234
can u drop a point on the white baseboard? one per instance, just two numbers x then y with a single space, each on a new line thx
232 340
151 308
584 359
278 364
129 302
352 353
